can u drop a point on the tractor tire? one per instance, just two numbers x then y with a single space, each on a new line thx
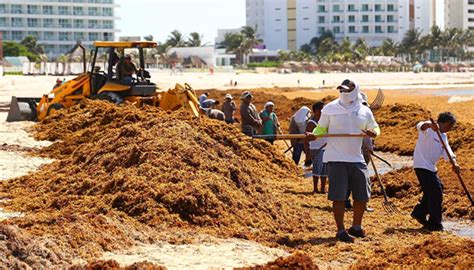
53 108
110 97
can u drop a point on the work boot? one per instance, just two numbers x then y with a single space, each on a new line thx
420 220
356 233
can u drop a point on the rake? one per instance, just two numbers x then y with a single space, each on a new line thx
378 101
388 206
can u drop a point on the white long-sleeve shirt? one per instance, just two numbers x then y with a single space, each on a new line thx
429 149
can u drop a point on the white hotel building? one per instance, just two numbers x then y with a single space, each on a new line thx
288 24
58 24
459 14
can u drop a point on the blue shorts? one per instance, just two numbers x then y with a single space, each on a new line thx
319 167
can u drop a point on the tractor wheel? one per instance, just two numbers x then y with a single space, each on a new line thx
53 108
110 97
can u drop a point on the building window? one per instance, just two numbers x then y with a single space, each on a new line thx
78 36
390 18
470 10
64 36
35 34
93 36
17 35
277 30
277 20
305 7
378 7
321 9
3 8
336 19
378 18
108 36
16 9
391 29
321 30
64 23
33 9
336 30
378 29
365 7
48 10
351 18
78 11
336 8
48 23
107 12
49 36
277 8
93 24
470 19
33 22
78 23
17 22
351 7
305 19
352 29
108 24
63 11
390 7
93 11
321 19
365 29
3 22
365 18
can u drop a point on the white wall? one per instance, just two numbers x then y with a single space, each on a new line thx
306 22
275 24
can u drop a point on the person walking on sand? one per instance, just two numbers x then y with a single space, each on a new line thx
428 150
251 121
316 149
298 126
269 121
345 162
228 108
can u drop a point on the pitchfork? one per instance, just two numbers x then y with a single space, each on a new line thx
387 206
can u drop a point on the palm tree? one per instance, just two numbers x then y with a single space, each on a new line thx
232 43
361 49
249 41
326 49
176 39
194 40
148 38
411 43
388 47
345 49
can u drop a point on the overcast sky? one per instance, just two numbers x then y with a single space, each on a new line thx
160 17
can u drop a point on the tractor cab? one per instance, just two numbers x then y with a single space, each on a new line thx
118 71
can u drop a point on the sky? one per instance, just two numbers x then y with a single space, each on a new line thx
160 17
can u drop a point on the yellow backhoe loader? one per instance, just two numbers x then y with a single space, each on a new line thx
106 85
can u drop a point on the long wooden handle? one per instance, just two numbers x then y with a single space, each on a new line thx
303 136
453 163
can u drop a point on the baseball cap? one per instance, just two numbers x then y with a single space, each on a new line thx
245 95
347 85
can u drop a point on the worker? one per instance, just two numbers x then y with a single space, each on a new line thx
203 97
209 103
126 69
270 124
214 114
59 82
428 150
251 121
316 149
298 126
345 162
228 108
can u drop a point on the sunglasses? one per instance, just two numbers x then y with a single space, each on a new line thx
342 90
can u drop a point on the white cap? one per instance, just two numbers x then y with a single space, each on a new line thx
228 96
269 104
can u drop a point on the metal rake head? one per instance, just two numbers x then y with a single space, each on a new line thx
390 208
378 101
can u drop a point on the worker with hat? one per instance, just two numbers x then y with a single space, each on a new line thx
59 82
346 166
228 108
251 121
270 122
126 69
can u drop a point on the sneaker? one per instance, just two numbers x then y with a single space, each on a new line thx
344 237
357 233
369 209
420 220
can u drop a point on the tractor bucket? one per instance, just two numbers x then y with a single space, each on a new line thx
22 109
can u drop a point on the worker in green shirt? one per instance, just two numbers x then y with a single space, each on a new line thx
269 121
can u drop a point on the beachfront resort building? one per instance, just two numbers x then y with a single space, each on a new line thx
288 24
459 14
58 24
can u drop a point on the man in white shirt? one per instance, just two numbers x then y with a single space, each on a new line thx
345 162
428 150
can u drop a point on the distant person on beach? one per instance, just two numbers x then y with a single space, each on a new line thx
251 121
298 126
316 150
345 162
235 83
203 97
228 108
269 121
428 150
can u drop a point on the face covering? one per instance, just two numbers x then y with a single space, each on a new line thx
347 99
